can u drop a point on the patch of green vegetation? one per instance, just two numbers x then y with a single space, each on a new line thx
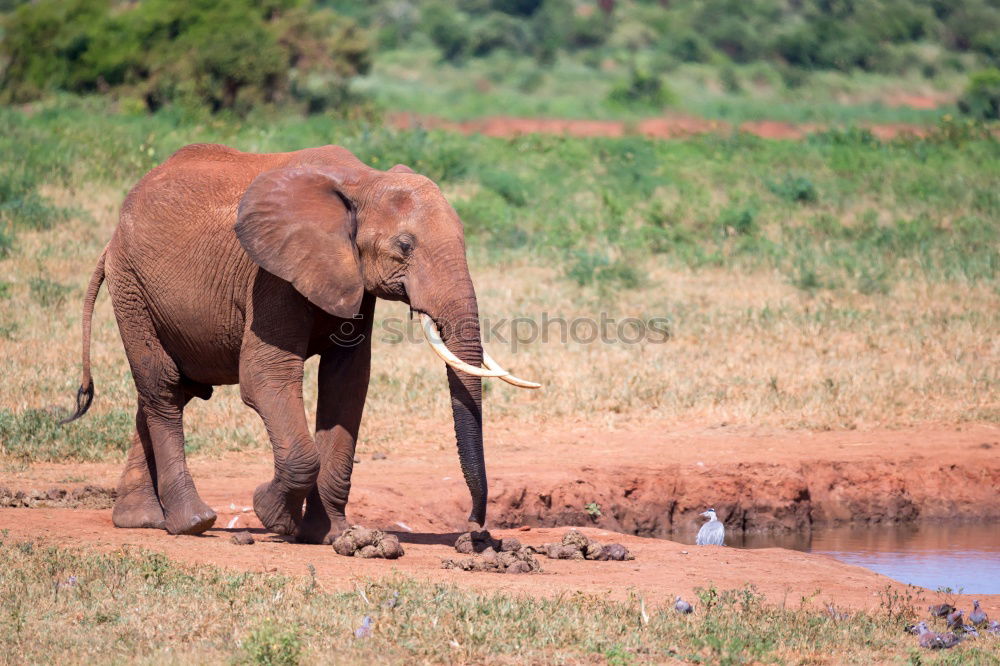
811 35
982 97
69 605
795 188
840 210
597 268
34 435
48 293
272 644
224 55
641 90
508 185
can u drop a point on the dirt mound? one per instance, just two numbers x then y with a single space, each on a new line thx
89 497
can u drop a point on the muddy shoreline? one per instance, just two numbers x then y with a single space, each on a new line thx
665 501
647 479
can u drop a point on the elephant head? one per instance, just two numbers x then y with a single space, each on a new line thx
337 229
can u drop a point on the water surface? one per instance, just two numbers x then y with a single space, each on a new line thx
965 558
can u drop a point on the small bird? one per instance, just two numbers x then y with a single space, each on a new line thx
994 627
712 533
977 616
941 610
837 615
935 641
955 619
682 606
365 630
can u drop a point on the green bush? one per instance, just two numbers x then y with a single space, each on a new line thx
795 188
448 29
219 54
982 96
642 89
599 269
272 645
508 185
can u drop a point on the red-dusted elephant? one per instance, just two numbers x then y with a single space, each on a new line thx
229 267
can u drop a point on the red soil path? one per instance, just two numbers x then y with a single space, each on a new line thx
666 127
647 478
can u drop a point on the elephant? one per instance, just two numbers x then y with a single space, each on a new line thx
229 267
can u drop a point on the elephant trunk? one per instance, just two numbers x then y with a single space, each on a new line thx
458 322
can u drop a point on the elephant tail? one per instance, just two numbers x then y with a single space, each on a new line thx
85 394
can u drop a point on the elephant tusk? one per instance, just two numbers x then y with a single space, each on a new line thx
434 340
509 378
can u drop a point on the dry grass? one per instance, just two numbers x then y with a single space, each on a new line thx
69 606
744 349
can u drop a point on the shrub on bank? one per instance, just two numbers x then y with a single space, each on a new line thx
982 97
225 54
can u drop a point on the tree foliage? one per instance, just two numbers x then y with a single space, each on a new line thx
220 54
809 34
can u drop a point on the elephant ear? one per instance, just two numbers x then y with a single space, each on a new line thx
297 223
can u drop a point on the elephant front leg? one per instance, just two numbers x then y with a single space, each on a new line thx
343 388
274 390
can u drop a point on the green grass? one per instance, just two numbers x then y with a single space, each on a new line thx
35 435
839 210
904 234
503 84
73 606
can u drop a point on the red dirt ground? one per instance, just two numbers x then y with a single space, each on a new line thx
646 477
666 127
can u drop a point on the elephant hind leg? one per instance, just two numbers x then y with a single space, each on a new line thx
137 504
161 400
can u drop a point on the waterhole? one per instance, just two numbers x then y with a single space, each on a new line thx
964 558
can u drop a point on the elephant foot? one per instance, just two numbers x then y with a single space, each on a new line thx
138 508
280 512
191 517
320 529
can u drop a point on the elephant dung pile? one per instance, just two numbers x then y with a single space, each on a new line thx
242 539
492 555
90 497
576 546
360 541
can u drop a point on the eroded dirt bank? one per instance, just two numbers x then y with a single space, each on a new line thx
758 497
645 479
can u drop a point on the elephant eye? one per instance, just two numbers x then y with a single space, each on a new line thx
405 244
